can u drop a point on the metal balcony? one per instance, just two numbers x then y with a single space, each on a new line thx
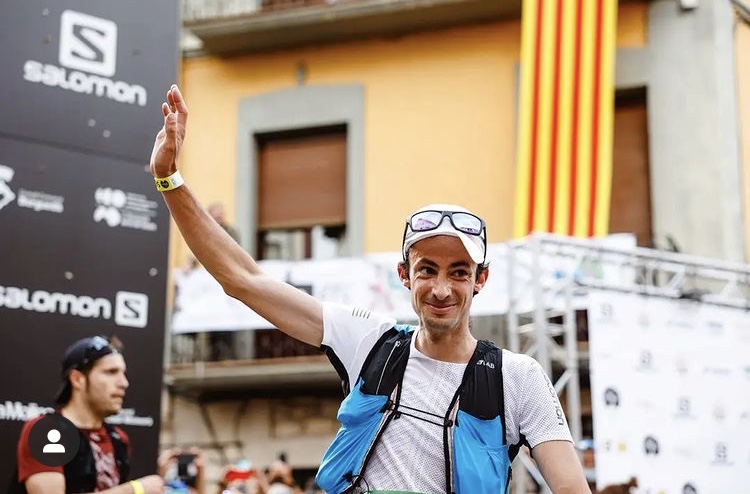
262 362
241 26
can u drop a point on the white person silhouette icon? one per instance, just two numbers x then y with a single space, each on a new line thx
53 447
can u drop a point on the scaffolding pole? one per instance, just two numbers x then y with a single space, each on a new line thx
549 276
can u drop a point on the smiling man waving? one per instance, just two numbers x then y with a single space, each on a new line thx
429 409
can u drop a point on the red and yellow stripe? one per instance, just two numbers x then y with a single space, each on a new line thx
566 116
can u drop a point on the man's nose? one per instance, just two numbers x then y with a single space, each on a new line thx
442 288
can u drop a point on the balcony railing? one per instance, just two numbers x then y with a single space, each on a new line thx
227 26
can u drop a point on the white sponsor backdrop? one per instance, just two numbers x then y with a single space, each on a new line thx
670 387
372 282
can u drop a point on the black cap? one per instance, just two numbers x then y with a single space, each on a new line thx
81 356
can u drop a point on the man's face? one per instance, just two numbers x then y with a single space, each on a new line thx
105 385
442 279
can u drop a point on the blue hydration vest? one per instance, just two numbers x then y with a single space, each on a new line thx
477 456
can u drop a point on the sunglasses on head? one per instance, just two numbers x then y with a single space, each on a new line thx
97 347
424 221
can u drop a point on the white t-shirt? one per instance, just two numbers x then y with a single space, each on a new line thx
410 445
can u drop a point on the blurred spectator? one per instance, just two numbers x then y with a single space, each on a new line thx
216 210
280 478
586 447
242 478
182 470
221 343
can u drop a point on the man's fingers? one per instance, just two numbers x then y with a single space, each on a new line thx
165 109
178 104
170 99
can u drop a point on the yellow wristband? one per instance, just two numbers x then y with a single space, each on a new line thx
137 487
169 183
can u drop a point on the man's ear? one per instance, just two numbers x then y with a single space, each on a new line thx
77 379
403 275
481 278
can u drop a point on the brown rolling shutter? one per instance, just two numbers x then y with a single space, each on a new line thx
631 187
302 180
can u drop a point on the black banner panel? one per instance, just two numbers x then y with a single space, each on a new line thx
83 251
83 233
87 74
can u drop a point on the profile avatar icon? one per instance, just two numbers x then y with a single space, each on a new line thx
54 440
53 446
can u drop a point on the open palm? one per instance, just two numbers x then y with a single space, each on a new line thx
169 140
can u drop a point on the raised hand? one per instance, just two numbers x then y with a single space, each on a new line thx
169 140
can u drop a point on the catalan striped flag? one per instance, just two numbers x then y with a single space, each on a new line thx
566 117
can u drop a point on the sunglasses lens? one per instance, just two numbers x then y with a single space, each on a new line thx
98 343
426 220
467 223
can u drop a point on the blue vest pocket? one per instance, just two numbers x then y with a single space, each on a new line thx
360 417
480 460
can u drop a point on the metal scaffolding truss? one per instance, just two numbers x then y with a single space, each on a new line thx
548 279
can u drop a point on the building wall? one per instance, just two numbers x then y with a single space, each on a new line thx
256 430
439 124
694 135
742 36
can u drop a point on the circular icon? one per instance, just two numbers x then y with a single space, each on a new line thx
54 440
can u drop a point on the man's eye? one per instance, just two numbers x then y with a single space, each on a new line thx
426 270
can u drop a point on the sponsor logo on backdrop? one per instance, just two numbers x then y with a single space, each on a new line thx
684 408
611 398
18 411
117 208
719 412
645 361
689 489
88 58
611 445
130 308
128 416
21 412
6 193
713 370
721 454
30 199
650 446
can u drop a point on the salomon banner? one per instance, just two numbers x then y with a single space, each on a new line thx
87 74
83 232
669 387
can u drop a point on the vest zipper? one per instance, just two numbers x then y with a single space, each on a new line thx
453 421
388 414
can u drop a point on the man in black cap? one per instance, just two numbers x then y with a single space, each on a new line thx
93 388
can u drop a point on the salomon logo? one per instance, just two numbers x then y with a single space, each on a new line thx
88 55
88 43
